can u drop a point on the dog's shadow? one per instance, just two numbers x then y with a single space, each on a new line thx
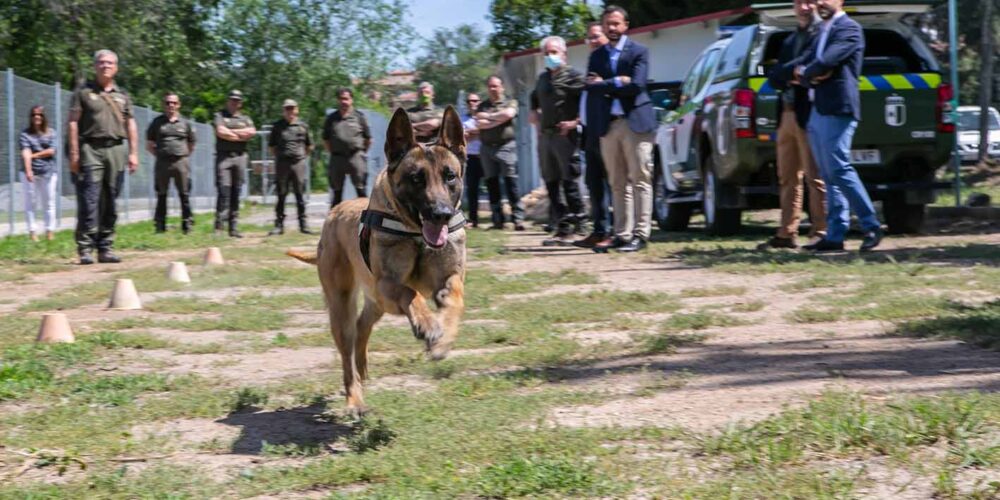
303 427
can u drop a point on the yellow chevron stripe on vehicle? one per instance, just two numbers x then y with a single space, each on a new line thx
902 81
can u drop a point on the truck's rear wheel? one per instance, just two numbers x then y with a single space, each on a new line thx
902 217
719 221
669 216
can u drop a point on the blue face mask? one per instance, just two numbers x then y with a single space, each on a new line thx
552 61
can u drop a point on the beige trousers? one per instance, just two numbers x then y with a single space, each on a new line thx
795 161
628 158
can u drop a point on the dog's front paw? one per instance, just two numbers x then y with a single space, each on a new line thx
429 331
438 350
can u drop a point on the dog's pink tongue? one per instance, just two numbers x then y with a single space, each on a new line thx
436 235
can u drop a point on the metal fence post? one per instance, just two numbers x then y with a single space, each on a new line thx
10 144
956 162
59 126
143 152
128 191
263 169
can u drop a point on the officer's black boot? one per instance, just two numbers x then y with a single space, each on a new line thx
279 228
186 226
160 216
233 230
303 226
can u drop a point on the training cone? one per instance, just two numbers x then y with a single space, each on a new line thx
55 329
213 257
124 296
178 272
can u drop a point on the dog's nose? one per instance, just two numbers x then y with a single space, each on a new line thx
442 213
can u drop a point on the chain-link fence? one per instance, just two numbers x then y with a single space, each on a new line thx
137 200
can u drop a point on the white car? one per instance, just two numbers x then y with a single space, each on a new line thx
968 137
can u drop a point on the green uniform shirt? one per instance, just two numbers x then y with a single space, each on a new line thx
558 96
290 140
232 122
172 138
103 114
419 114
501 134
346 134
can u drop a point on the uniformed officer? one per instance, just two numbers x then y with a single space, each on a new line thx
425 117
290 146
495 119
170 138
347 138
100 121
233 130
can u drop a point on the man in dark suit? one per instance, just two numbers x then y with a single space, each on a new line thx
795 159
596 176
831 70
626 124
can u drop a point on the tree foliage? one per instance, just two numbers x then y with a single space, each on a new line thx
521 24
644 12
456 60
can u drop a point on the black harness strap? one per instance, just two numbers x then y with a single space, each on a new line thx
374 220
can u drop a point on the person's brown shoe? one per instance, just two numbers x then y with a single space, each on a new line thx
559 240
777 242
590 241
609 244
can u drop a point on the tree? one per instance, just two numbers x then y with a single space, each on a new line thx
644 12
456 60
521 24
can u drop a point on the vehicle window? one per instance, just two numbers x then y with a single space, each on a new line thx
737 51
691 82
707 70
888 52
772 50
969 120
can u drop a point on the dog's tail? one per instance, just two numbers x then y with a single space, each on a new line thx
307 257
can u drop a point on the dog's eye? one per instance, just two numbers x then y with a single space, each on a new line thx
449 176
416 178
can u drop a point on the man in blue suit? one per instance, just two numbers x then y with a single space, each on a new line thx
624 120
831 70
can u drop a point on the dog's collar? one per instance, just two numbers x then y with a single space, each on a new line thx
387 223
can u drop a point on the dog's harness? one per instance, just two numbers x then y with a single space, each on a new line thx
398 224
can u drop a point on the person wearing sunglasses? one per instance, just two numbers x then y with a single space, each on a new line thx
40 177
170 139
473 166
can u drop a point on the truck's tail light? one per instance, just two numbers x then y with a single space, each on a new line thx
945 109
743 113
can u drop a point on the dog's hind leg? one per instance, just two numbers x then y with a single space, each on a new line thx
451 304
343 316
369 316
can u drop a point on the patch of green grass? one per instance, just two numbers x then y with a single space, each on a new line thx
290 449
248 397
486 245
521 476
979 325
666 343
713 291
370 435
842 424
484 287
813 315
117 390
241 320
699 321
184 305
580 307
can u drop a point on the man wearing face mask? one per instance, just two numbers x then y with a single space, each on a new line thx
555 109
425 117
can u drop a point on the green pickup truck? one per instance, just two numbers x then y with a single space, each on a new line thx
716 140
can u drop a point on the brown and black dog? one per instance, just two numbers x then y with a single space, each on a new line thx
409 252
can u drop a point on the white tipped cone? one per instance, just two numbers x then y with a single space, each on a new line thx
54 329
124 296
213 257
178 272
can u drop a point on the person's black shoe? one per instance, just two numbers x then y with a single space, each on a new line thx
872 239
306 230
161 230
634 245
185 227
518 226
86 259
278 230
107 257
497 226
548 228
612 244
825 245
777 242
235 233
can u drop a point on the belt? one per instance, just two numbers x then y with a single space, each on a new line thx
617 117
230 154
103 142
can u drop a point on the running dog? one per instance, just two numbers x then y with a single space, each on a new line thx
403 248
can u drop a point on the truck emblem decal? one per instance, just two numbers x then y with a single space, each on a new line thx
895 111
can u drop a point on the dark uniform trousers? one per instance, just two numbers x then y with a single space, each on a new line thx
500 162
596 179
174 168
290 173
473 177
229 173
342 165
102 171
560 164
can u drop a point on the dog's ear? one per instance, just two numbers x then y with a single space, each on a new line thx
399 138
451 135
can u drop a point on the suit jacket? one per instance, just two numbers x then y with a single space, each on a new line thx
634 63
780 76
844 52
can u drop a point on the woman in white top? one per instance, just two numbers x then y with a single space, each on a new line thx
40 178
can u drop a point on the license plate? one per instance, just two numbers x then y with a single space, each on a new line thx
865 157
